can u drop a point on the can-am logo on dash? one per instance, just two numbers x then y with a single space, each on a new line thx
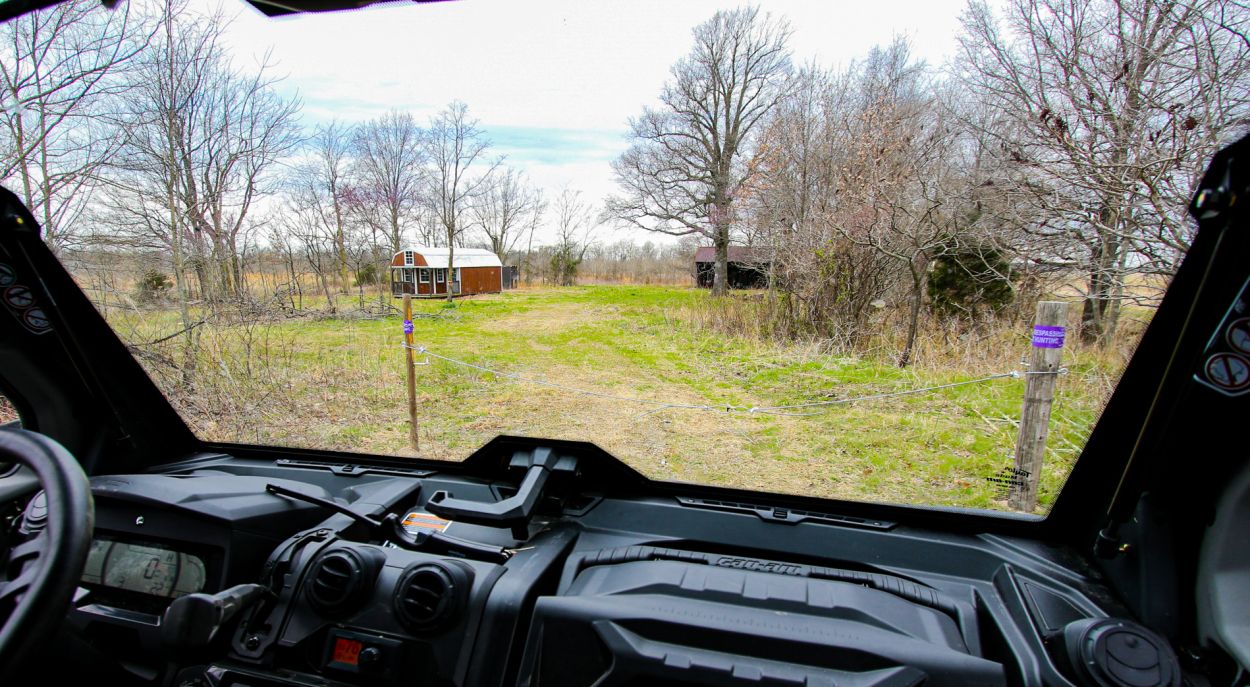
759 566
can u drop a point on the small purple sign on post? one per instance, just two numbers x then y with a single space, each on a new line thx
1047 337
407 326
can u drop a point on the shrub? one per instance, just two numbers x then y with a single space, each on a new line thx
153 287
367 275
563 265
970 281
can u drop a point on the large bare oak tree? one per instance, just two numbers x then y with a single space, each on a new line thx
458 173
687 162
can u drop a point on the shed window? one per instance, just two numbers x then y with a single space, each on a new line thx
405 276
423 276
408 260
440 276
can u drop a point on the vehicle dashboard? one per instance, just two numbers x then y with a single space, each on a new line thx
601 583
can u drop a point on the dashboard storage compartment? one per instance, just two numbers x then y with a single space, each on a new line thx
675 623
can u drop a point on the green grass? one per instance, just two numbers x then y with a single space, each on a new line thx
339 383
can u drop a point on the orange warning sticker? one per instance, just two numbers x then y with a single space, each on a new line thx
426 521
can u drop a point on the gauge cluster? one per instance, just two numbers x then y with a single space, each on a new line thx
145 568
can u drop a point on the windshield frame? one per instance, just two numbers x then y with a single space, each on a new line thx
88 340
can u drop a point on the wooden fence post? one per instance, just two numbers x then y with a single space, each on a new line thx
1039 394
413 433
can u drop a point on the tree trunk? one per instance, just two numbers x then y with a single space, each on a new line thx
451 260
340 241
913 324
720 280
236 268
529 258
396 233
325 289
1111 316
51 233
1102 283
190 349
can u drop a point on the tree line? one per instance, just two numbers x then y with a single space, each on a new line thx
1062 138
135 131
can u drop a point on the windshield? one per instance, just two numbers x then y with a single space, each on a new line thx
900 256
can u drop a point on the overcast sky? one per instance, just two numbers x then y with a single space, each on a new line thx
553 82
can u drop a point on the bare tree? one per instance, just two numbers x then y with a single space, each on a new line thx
507 209
305 223
456 148
428 228
389 174
321 185
1103 114
144 204
243 130
286 246
688 160
576 221
60 67
899 182
202 139
821 282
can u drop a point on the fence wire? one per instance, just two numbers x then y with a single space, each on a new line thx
791 410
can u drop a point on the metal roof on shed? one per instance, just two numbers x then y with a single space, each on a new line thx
464 257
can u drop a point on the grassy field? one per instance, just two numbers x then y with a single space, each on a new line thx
338 382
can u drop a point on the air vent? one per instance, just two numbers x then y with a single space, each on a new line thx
340 579
429 595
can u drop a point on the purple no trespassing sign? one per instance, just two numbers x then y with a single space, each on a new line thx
1047 337
407 326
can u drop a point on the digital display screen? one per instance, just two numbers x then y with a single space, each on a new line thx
346 651
144 568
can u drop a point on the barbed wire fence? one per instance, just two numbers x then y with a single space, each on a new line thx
790 410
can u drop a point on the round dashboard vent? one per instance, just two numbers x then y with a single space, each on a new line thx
429 594
1110 652
339 580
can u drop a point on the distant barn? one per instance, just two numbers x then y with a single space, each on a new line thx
422 272
748 267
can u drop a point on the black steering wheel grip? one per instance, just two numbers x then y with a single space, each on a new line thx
46 569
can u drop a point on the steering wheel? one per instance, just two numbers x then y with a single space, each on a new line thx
33 602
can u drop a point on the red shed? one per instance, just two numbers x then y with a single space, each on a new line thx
423 272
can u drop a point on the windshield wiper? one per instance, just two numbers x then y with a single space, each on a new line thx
391 529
